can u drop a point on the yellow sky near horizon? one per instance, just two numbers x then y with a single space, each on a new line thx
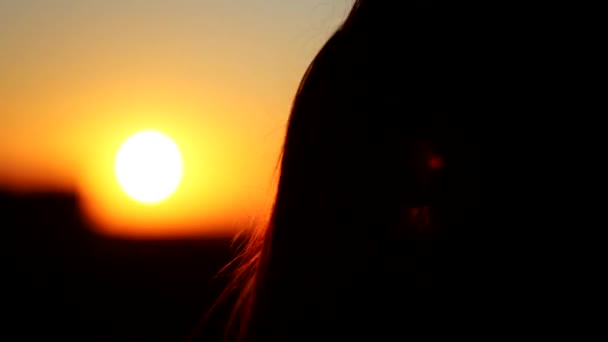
77 77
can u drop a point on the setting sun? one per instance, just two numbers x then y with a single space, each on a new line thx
218 90
148 167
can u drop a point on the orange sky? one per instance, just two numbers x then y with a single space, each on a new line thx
78 77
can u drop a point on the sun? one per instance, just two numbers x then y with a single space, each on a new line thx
148 167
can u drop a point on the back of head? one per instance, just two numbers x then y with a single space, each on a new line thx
368 238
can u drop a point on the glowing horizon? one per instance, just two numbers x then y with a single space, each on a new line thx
77 78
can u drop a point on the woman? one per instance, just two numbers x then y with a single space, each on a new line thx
399 169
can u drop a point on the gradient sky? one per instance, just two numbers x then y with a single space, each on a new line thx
79 76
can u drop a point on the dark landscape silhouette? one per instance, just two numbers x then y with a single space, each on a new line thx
63 282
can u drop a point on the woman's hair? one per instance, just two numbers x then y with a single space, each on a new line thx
381 156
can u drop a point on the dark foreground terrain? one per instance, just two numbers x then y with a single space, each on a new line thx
61 282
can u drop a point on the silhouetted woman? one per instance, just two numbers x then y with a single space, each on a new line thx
401 177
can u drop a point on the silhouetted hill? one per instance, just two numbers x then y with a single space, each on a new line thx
62 282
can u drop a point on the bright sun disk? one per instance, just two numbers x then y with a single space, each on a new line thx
148 167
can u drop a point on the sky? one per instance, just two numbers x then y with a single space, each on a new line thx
78 77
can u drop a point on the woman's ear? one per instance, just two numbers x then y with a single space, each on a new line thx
427 165
435 162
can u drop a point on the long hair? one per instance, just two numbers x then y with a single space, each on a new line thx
381 156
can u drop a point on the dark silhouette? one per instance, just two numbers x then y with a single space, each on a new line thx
60 281
408 203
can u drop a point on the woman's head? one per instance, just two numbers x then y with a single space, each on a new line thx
378 198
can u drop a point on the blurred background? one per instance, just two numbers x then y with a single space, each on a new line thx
82 257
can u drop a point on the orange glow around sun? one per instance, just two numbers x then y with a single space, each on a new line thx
204 173
168 179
